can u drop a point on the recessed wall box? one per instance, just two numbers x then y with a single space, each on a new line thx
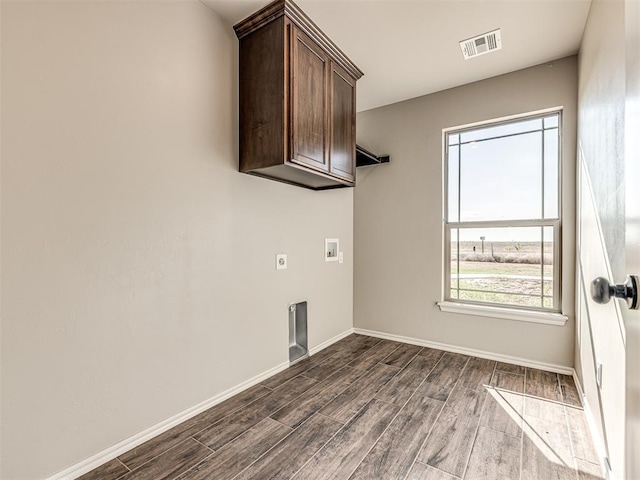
298 346
331 249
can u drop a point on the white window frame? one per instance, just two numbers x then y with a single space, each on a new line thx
534 314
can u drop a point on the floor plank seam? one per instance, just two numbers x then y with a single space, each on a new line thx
331 418
437 416
267 416
320 449
426 437
444 404
438 469
344 425
121 463
524 407
318 410
379 437
372 397
410 360
283 424
208 425
389 424
475 436
193 467
152 458
267 452
205 446
500 431
123 475
566 423
265 383
571 440
548 400
293 430
383 401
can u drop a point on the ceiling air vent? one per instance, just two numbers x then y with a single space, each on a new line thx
488 42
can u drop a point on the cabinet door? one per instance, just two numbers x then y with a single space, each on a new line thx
309 102
342 124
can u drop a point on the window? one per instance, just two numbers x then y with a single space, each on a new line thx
503 215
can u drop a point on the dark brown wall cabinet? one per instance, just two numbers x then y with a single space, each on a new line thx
297 101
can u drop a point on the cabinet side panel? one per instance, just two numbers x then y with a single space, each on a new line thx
343 114
262 90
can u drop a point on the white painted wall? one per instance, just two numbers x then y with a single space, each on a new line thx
398 215
138 266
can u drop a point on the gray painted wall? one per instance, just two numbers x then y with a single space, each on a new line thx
398 215
138 265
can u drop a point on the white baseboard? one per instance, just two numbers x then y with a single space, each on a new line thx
331 341
591 424
469 351
127 444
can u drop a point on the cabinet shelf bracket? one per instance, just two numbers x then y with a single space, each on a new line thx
365 158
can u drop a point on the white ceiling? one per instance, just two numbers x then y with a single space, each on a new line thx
408 48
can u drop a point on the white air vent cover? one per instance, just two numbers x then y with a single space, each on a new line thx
488 42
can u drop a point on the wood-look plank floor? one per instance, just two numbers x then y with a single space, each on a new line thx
370 409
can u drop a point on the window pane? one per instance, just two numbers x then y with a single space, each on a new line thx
552 121
501 179
454 138
501 130
547 266
454 173
504 265
501 298
454 262
551 158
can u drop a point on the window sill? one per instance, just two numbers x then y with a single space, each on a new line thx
546 318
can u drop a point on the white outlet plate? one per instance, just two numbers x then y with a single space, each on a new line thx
341 257
281 261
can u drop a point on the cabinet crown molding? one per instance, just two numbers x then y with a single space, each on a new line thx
293 12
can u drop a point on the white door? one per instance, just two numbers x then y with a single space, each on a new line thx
632 237
601 330
609 231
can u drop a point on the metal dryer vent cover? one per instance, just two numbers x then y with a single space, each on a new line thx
481 44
